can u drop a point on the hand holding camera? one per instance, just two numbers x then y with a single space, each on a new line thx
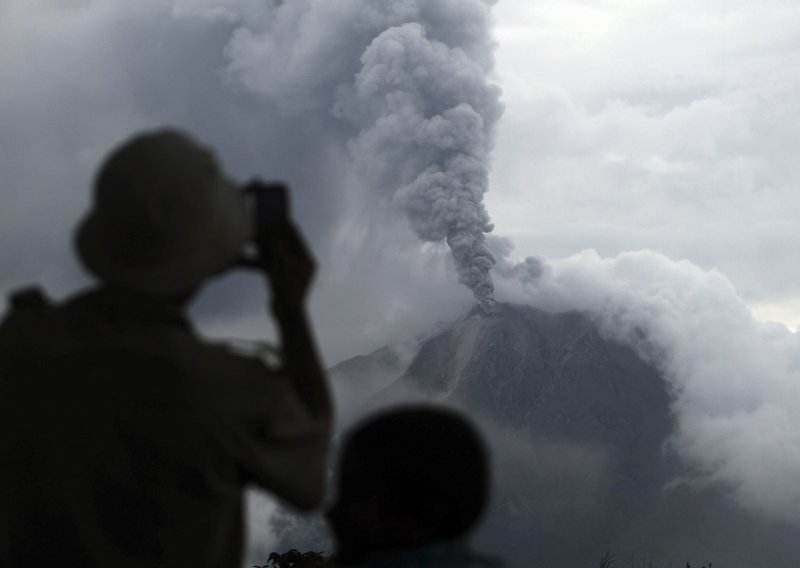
281 252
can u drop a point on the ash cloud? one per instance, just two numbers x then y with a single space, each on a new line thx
735 382
411 81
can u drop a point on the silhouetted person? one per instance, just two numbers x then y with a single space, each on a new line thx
125 440
412 483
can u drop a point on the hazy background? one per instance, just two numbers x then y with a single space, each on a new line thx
627 125
645 157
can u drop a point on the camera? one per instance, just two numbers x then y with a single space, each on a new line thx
270 206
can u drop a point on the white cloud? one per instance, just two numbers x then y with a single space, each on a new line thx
656 125
735 381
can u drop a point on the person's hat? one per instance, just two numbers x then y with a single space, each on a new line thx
164 218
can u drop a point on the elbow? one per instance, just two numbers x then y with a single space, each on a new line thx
308 502
311 492
310 476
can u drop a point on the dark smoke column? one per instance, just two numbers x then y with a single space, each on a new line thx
411 78
425 112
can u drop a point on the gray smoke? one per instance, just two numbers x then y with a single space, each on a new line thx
735 382
411 79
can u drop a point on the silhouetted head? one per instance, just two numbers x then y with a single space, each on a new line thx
408 477
164 218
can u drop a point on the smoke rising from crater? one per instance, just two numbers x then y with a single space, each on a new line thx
410 79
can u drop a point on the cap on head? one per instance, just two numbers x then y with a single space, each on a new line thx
164 218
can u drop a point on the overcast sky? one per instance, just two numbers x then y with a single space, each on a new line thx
661 126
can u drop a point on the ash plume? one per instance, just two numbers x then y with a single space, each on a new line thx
410 79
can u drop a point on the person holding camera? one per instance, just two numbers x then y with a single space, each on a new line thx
125 439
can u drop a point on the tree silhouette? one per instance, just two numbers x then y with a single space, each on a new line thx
296 559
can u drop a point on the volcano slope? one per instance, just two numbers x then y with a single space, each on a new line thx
577 426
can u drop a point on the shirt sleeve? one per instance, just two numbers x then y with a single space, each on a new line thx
259 418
